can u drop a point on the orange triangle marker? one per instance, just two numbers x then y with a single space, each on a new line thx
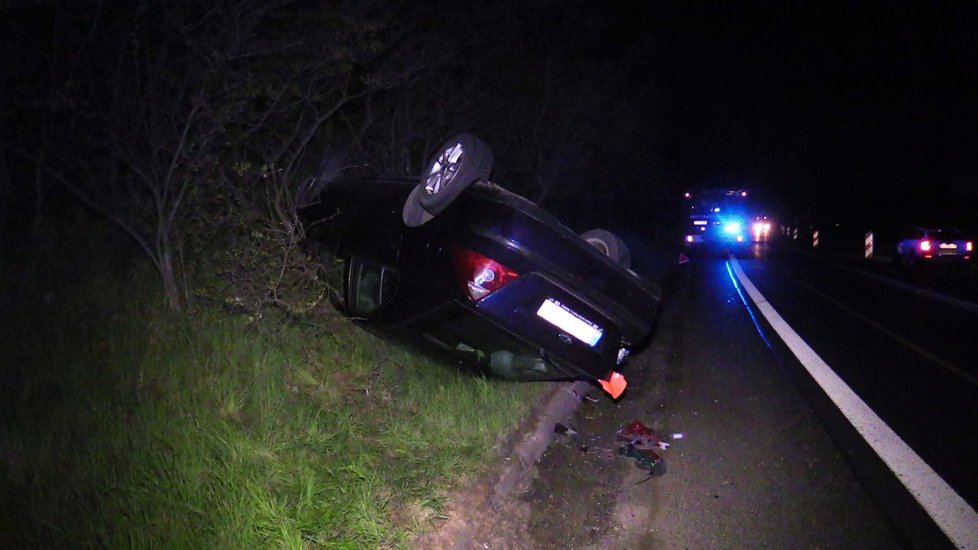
615 384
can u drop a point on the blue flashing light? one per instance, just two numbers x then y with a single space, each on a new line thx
732 227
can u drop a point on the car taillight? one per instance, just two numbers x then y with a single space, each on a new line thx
925 246
478 274
968 246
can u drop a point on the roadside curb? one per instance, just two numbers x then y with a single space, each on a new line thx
524 455
518 455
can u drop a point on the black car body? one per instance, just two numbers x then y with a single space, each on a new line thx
492 280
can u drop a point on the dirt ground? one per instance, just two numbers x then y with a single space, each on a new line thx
583 494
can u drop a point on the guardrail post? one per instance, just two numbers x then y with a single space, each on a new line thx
869 244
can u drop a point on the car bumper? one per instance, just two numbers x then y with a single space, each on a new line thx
701 241
950 257
557 324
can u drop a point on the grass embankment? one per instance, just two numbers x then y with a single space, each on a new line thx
122 424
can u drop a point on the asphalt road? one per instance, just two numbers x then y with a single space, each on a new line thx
765 458
903 340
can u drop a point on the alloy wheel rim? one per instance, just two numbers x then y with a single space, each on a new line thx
444 169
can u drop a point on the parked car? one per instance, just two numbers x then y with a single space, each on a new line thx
923 244
468 269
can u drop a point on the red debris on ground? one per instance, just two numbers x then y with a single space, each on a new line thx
639 441
641 436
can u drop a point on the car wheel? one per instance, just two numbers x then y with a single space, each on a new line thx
413 214
458 163
610 245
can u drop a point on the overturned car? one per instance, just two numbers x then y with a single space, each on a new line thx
464 267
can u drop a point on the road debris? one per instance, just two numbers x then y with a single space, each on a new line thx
614 384
647 458
564 430
641 436
640 443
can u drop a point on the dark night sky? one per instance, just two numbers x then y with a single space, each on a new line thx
840 111
845 109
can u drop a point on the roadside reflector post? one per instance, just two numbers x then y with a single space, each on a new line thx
794 234
869 244
815 238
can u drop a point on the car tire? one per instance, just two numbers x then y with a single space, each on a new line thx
413 214
610 245
458 163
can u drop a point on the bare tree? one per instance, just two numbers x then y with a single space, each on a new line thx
146 89
307 85
40 85
175 105
179 119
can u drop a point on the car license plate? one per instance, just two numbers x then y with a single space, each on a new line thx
949 246
572 323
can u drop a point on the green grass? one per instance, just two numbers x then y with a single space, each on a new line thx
125 425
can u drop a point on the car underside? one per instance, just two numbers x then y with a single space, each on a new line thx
492 280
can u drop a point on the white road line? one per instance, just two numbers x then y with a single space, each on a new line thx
943 363
907 287
953 514
950 300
